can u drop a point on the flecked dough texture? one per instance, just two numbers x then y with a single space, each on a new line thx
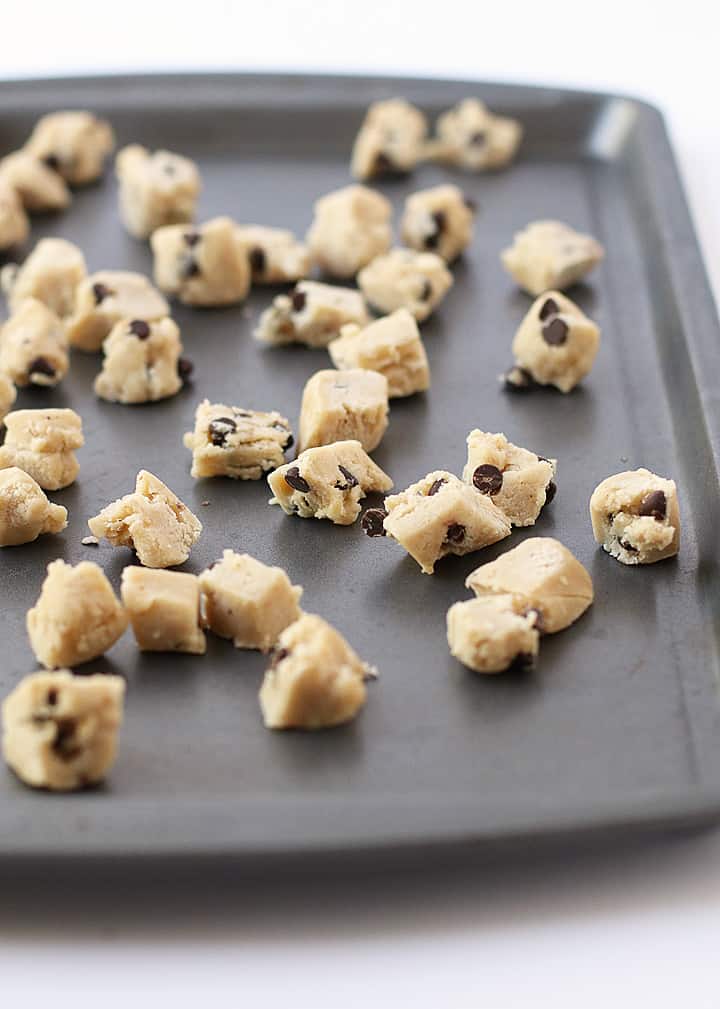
556 343
312 314
350 228
25 512
403 278
470 136
8 395
164 610
391 346
33 346
241 444
51 273
520 482
390 140
636 517
155 188
140 363
275 254
550 256
439 220
40 188
107 297
489 635
344 405
14 223
204 265
43 443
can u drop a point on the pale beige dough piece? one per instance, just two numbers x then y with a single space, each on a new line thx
390 140
248 601
77 616
74 143
315 679
241 444
403 278
204 265
105 298
155 188
43 443
33 346
636 517
350 228
344 405
550 256
556 343
328 482
275 255
8 395
488 635
40 188
439 220
312 314
14 224
152 521
469 136
51 273
164 610
25 512
141 362
540 574
391 346
520 482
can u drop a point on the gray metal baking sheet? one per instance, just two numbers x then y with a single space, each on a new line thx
618 725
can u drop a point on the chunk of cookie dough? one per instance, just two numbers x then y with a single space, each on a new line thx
75 144
164 610
390 140
350 228
438 220
152 521
8 395
417 281
141 363
25 512
155 188
437 516
328 482
542 575
43 443
33 346
241 444
51 273
550 256
312 314
488 635
202 266
635 517
391 346
556 343
107 297
40 188
315 679
77 616
520 482
344 405
248 601
275 255
469 136
14 224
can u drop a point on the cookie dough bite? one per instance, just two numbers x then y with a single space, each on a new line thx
8 395
40 188
520 482
312 314
25 512
391 346
203 266
275 255
328 482
315 679
403 278
51 274
438 220
152 521
350 228
241 444
550 256
556 343
469 136
342 406
155 188
75 144
14 224
105 298
77 616
60 731
635 517
164 610
43 443
542 575
390 140
33 346
248 601
487 634
141 363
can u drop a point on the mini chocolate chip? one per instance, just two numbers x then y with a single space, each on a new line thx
100 292
189 268
383 164
555 332
220 428
628 546
431 241
257 260
440 219
52 161
426 292
655 504
549 307
470 203
299 299
539 620
289 442
293 479
52 696
455 533
522 662
488 479
550 492
185 368
140 329
192 238
518 380
62 745
435 487
372 522
350 480
478 138
278 655
41 366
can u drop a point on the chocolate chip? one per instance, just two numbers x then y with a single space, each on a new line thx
63 744
549 307
140 329
52 161
278 655
52 696
257 260
555 332
383 164
435 487
299 299
655 504
478 138
522 662
470 203
539 620
431 241
426 292
185 368
350 480
220 428
100 292
41 366
189 268
518 380
289 442
455 533
628 546
550 492
293 479
488 479
192 238
372 522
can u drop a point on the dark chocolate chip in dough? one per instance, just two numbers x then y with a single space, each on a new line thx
258 260
192 238
478 138
220 428
139 328
522 662
299 300
555 332
488 479
189 268
383 165
548 308
185 368
101 292
455 533
52 696
289 442
426 292
654 504
63 745
278 655
628 546
550 492
293 479
41 366
372 522
350 480
435 486
52 161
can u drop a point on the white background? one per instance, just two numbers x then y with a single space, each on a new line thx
636 928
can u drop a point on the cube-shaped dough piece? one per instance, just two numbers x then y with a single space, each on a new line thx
8 395
106 298
417 281
556 343
441 515
164 610
315 679
392 346
141 362
42 443
77 616
248 601
390 140
312 314
636 517
342 406
33 346
25 512
487 634
276 256
14 223
470 136
550 256
520 482
39 187
155 188
540 574
241 444
74 144
438 220
350 228
328 482
52 470
51 273
203 266
60 731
